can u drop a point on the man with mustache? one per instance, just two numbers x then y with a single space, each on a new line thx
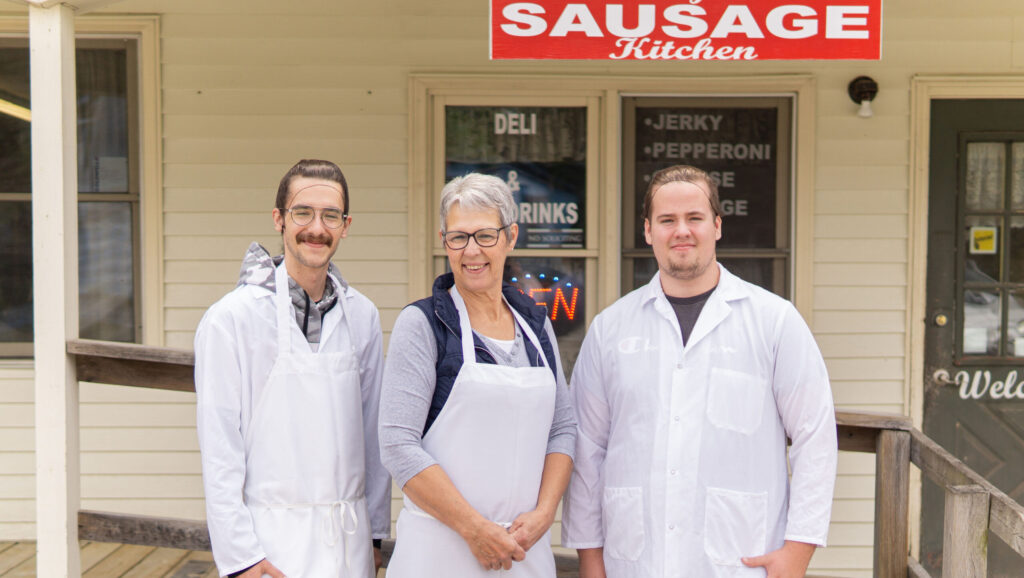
288 374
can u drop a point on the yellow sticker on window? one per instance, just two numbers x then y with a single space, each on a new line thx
983 240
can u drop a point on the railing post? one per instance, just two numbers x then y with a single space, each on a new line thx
965 532
892 499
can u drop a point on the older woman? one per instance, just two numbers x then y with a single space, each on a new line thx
475 421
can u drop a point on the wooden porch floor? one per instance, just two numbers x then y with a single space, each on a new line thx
106 560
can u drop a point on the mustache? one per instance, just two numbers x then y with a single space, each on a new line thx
311 238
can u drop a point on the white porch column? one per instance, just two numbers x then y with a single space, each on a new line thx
55 286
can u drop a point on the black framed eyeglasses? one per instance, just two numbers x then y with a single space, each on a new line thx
303 215
456 240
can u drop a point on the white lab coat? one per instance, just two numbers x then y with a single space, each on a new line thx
681 454
237 346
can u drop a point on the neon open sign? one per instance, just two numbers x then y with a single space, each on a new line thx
567 305
555 284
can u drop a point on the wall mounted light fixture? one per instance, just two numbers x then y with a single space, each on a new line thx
862 90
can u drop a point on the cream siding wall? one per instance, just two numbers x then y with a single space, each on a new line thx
251 85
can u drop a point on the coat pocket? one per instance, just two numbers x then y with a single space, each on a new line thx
624 523
736 400
735 525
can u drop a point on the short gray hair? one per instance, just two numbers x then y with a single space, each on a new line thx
478 192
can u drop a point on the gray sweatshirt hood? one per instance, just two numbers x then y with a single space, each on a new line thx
258 268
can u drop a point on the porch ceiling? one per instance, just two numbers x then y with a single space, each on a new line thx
80 6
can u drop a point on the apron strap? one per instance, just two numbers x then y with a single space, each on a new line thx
468 353
283 305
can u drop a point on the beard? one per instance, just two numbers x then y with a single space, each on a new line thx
686 270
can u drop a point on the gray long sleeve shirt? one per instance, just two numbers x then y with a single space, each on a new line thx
408 388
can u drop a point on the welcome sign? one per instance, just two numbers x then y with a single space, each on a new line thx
686 30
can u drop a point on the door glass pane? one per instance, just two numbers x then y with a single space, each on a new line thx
558 283
982 322
1015 325
1018 175
1016 248
982 249
16 272
106 289
986 176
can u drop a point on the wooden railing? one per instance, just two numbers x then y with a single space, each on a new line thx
974 507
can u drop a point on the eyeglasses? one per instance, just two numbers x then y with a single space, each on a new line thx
303 215
456 240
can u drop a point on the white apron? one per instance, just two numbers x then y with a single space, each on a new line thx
305 472
491 439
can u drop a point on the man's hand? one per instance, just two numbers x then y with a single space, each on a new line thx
493 547
529 527
378 560
263 567
591 563
789 561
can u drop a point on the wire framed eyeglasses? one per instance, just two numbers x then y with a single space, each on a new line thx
303 215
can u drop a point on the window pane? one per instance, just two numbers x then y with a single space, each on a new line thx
736 146
986 176
102 121
643 269
106 287
982 322
760 272
982 250
1018 175
541 152
16 272
559 284
15 130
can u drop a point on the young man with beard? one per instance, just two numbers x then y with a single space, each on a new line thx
288 373
686 391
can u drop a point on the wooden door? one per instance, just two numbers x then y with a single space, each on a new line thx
974 356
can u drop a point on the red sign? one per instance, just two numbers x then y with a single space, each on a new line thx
687 30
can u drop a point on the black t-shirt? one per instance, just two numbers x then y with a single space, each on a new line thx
688 310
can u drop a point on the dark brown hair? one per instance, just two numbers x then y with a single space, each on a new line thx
686 174
311 169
